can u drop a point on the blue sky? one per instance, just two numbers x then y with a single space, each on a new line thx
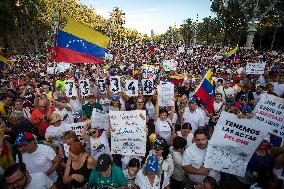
158 15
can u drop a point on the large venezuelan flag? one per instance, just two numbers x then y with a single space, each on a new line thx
205 91
3 61
78 43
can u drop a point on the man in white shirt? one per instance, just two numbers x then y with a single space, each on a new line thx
193 115
193 159
18 177
37 157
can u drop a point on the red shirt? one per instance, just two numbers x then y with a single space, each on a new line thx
43 124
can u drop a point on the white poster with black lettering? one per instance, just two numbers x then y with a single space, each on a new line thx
255 68
115 86
148 86
131 87
77 128
269 111
233 143
129 136
70 88
102 85
100 119
84 87
165 94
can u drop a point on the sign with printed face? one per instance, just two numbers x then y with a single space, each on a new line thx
129 136
115 86
255 68
84 87
269 111
102 85
233 143
148 86
165 94
70 88
131 87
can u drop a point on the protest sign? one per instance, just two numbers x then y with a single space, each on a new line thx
255 68
77 128
100 119
149 71
170 65
165 94
129 137
84 87
131 87
50 70
102 85
148 86
70 88
233 143
115 84
269 111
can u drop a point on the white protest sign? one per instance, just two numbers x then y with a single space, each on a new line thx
50 70
115 84
84 87
165 94
255 68
77 128
129 137
233 143
269 111
70 88
102 85
170 65
131 87
100 119
148 86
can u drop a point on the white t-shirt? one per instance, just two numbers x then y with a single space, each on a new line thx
217 106
163 128
99 146
143 182
105 104
40 160
68 118
56 133
229 92
75 105
178 173
278 88
196 118
195 157
151 109
39 181
188 138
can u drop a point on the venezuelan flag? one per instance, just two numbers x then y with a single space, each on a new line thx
205 92
233 55
3 61
78 43
176 79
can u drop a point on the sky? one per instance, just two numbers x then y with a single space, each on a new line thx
144 15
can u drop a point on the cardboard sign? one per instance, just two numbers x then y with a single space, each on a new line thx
269 111
115 84
100 119
129 137
84 87
131 87
70 88
233 143
148 86
102 86
166 94
77 128
255 68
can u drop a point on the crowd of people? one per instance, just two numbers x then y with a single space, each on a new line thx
37 151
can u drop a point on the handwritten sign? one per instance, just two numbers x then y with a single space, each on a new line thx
102 85
269 111
255 68
233 143
165 94
77 128
84 87
70 88
129 137
115 84
170 65
100 119
148 86
131 87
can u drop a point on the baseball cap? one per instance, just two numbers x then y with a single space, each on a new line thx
152 164
103 163
191 100
115 98
23 137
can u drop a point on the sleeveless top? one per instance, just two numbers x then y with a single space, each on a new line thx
84 171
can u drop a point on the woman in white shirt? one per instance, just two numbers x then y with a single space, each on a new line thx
186 133
54 132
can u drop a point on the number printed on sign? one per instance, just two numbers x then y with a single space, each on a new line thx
148 86
102 85
132 87
84 87
70 88
115 84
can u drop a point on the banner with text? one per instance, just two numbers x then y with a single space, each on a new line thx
129 136
76 127
269 111
233 143
255 68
